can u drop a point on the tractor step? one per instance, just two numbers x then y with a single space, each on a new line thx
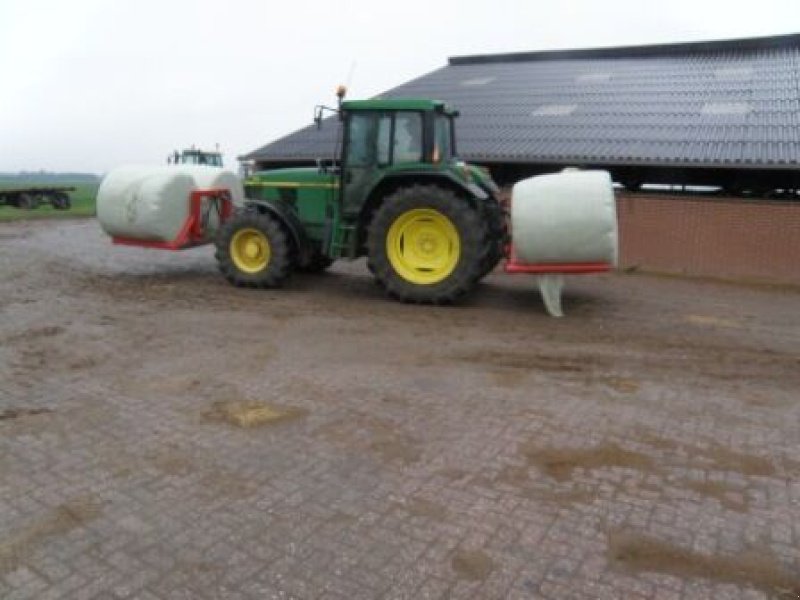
345 246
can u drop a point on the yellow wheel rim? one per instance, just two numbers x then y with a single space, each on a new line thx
250 250
423 246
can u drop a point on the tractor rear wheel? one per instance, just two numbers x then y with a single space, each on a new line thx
426 245
496 236
253 251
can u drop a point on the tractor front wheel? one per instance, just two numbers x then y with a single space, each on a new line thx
426 245
253 251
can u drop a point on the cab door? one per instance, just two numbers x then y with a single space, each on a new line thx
367 151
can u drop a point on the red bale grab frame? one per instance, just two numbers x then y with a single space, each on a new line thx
191 233
513 266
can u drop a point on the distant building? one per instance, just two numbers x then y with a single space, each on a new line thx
719 113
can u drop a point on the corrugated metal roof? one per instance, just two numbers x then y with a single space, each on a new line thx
734 103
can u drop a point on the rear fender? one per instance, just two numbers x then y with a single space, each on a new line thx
387 185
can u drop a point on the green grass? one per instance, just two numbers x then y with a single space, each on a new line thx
83 203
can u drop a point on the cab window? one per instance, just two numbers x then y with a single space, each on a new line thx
408 137
442 138
368 139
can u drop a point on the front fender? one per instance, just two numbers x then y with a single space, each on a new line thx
290 222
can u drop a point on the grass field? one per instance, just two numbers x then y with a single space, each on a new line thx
83 204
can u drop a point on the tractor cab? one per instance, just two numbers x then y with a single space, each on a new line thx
193 156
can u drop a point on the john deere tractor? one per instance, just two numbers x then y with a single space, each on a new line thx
429 224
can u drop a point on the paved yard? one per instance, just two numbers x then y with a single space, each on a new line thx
164 435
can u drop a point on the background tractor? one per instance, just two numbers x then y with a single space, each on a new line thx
429 224
193 156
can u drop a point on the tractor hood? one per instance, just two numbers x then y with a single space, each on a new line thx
292 178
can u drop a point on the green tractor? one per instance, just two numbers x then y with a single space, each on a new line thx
430 225
193 156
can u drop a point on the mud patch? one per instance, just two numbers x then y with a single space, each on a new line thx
727 495
712 321
559 463
396 449
473 565
758 568
623 385
509 378
720 458
725 459
420 507
452 473
45 331
16 413
226 484
172 463
517 476
248 414
18 547
396 400
379 436
504 359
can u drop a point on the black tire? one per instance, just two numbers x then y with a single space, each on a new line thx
278 264
496 235
471 233
60 201
317 264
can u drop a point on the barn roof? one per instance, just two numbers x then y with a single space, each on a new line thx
721 104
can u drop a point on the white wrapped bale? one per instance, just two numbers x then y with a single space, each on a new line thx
567 217
152 203
215 178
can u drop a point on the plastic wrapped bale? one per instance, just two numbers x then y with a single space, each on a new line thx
151 204
565 218
215 178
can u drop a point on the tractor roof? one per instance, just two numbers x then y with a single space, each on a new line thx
395 104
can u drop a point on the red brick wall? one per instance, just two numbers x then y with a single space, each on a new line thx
719 237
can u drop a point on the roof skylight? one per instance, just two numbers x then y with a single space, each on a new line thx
554 110
734 73
478 81
594 77
726 108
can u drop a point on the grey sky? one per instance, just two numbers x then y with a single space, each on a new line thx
90 84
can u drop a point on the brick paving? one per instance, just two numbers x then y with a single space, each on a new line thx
644 447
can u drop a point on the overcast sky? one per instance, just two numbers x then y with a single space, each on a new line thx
86 85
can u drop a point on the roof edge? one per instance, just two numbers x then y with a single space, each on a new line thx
776 41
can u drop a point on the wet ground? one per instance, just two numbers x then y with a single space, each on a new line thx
165 435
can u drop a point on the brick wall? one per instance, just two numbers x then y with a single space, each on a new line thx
719 237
